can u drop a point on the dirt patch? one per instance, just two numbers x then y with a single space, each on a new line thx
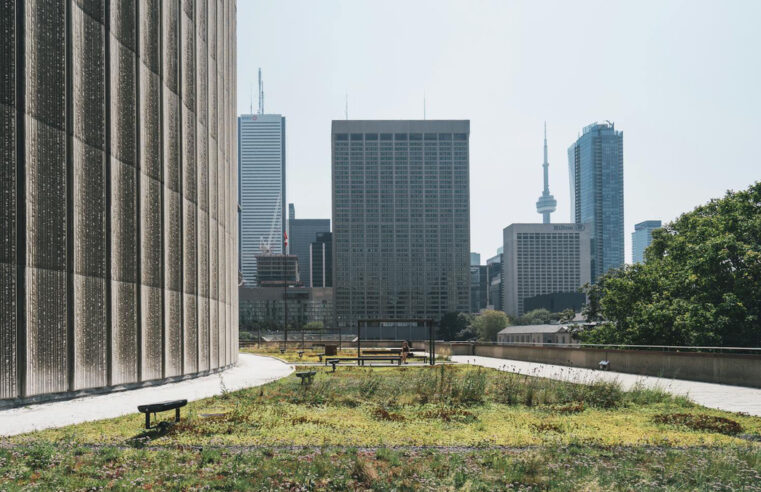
569 408
450 415
383 414
545 427
706 423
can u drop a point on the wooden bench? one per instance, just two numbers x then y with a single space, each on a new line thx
163 406
306 376
361 360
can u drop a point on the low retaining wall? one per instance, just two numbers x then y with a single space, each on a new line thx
735 369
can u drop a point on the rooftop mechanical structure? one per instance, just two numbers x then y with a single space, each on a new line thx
546 204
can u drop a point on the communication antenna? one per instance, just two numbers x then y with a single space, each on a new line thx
347 105
261 93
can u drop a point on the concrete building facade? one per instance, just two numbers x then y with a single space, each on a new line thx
543 259
261 165
401 219
118 252
301 234
596 174
321 261
641 238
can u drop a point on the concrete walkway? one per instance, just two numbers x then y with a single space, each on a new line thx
252 370
720 396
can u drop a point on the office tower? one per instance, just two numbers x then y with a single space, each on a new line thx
276 270
641 237
546 203
596 173
475 259
261 165
542 259
321 260
301 234
401 220
494 276
117 194
478 288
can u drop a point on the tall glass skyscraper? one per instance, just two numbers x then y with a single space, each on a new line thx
596 174
641 238
401 219
261 167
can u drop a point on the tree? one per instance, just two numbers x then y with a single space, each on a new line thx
452 324
489 323
314 326
536 317
700 283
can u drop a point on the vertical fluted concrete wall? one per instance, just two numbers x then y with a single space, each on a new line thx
118 187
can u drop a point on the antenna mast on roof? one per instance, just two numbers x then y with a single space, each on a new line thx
261 93
347 105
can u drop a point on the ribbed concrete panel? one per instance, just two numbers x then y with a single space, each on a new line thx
124 347
190 308
150 298
8 197
203 334
46 198
89 193
214 333
90 342
173 333
124 323
123 188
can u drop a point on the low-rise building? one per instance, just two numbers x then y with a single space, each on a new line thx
536 334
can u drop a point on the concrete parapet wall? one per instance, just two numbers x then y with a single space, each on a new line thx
723 368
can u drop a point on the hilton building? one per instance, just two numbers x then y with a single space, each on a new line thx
118 230
544 265
401 219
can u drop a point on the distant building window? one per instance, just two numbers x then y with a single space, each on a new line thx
460 136
400 136
371 136
445 136
386 136
342 136
356 136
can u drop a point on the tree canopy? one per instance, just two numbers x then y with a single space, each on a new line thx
700 283
489 323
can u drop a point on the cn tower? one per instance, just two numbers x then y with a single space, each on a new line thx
546 203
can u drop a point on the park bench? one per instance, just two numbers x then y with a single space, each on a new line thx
306 376
163 406
361 360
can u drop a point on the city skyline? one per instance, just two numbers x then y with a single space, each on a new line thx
661 59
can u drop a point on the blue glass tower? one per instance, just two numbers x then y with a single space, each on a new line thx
641 238
596 174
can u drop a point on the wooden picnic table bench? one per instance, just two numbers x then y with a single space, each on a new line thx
306 376
162 406
361 360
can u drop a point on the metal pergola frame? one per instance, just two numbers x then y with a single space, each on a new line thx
425 322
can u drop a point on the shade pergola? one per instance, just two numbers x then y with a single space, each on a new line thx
425 322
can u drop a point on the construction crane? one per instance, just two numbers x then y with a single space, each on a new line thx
266 247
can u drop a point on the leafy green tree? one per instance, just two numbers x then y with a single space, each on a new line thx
489 323
700 283
452 324
536 317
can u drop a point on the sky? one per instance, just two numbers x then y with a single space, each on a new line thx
681 79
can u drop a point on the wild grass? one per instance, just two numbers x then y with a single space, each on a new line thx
446 405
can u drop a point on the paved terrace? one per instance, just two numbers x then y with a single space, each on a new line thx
719 396
252 370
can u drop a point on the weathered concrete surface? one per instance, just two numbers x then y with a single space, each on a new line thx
719 396
252 370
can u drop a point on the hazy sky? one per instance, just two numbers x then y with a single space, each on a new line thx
682 79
